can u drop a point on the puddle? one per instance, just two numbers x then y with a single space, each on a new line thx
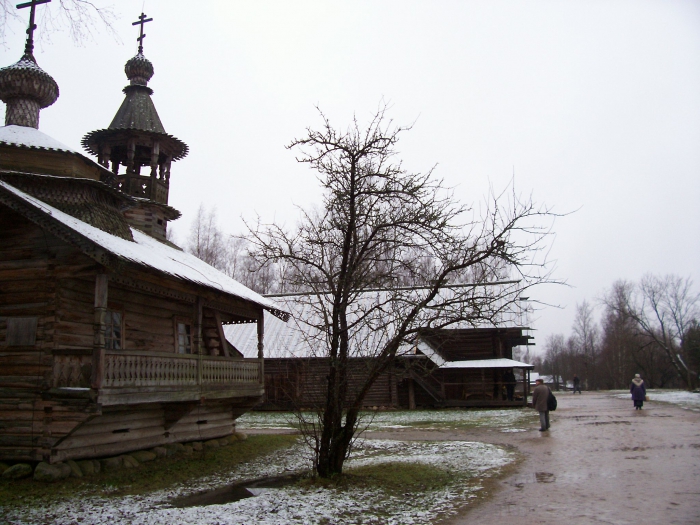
236 492
545 477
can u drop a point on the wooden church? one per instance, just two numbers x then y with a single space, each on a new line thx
111 338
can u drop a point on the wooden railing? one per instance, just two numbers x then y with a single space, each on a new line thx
156 369
71 371
229 371
123 369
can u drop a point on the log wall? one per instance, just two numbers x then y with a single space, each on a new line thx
32 262
48 282
302 383
124 429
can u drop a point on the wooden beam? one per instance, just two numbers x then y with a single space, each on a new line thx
197 337
98 349
222 337
261 345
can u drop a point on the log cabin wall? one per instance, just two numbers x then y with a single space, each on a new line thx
47 338
127 428
32 262
148 321
301 383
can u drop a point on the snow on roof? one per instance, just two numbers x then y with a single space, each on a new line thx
500 362
301 336
147 251
31 138
281 339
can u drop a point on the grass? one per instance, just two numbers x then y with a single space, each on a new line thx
401 477
395 420
401 480
148 477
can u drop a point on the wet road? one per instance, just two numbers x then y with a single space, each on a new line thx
601 463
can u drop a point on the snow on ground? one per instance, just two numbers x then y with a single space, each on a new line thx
507 419
682 398
469 463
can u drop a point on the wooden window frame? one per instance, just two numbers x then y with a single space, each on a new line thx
177 321
108 326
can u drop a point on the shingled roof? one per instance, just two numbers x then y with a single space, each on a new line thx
144 250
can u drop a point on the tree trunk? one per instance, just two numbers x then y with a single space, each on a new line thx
335 442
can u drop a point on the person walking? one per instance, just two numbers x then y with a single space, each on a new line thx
639 391
540 394
577 384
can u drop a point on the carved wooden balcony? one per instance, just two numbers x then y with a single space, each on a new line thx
132 377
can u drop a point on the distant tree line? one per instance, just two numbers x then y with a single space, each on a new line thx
650 327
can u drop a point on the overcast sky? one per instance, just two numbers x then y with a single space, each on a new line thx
595 105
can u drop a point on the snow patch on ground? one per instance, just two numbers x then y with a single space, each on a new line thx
469 462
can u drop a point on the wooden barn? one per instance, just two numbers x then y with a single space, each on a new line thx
445 368
111 338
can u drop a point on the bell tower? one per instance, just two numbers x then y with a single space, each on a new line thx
137 149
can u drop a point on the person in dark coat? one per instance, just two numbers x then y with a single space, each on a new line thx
639 392
577 384
509 381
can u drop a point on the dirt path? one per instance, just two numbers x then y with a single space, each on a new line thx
601 463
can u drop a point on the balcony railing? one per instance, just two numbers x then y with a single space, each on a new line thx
133 369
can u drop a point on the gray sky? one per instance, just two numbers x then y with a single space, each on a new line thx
594 104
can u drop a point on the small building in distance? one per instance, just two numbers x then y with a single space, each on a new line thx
444 368
111 337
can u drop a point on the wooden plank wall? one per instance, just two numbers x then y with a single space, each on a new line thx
302 383
31 264
125 429
148 320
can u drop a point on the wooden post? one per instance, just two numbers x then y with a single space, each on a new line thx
155 151
393 389
526 385
98 346
261 345
130 155
411 395
222 335
197 337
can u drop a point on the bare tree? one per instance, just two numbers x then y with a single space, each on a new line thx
664 310
555 359
79 17
379 221
206 241
623 348
586 338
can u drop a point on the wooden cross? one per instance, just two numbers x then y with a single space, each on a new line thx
29 46
142 20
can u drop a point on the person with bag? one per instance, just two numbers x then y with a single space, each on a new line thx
541 403
639 392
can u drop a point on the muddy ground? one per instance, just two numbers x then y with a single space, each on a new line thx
602 462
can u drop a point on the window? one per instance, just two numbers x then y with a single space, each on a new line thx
21 331
114 330
184 338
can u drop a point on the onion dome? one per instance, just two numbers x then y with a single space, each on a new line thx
26 89
139 70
